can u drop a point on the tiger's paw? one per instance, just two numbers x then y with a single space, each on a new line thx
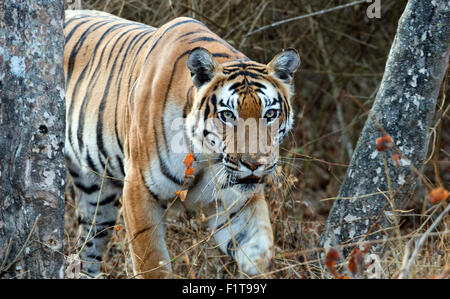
255 257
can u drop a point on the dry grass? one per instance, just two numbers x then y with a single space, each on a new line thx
343 56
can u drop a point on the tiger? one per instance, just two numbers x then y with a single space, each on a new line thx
139 101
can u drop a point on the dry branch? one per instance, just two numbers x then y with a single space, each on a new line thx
297 18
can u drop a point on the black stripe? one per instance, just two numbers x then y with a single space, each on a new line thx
120 162
94 256
203 39
73 173
232 215
117 100
91 271
167 30
135 40
242 64
116 183
73 54
202 102
211 39
257 84
87 189
256 69
283 105
133 63
224 55
164 169
83 221
102 233
117 42
101 225
239 238
190 33
87 97
78 46
106 224
72 31
206 112
104 201
245 74
90 162
152 193
100 142
188 102
214 102
67 22
235 86
198 177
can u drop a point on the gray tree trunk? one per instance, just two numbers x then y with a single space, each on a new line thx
32 121
404 108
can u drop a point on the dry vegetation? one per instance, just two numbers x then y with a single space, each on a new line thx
343 56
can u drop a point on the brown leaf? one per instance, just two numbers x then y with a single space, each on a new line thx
186 259
356 261
331 258
181 194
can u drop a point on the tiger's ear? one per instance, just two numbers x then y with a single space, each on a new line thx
284 64
202 65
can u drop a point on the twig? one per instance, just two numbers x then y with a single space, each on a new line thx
419 244
305 16
2 270
7 251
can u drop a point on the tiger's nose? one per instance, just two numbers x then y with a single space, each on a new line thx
251 165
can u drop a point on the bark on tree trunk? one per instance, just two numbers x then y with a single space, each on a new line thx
404 108
32 121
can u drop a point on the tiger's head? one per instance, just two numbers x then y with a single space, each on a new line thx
240 113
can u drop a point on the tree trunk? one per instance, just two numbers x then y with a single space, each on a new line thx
32 121
403 109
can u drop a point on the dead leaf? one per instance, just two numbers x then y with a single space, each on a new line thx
181 194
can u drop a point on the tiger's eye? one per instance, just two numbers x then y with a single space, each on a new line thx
272 113
227 114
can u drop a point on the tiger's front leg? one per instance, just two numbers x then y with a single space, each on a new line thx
145 228
249 238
